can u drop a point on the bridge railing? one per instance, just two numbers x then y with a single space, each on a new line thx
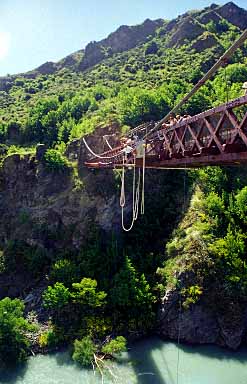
219 130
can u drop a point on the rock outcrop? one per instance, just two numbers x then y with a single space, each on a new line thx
123 39
47 68
201 324
206 40
234 14
209 16
32 197
186 31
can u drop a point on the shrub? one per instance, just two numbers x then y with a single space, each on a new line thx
151 48
241 204
50 338
56 297
55 161
85 293
192 295
13 342
64 271
84 350
115 346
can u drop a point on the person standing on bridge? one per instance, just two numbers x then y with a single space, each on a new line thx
245 88
171 122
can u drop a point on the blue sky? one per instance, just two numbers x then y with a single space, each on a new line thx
35 31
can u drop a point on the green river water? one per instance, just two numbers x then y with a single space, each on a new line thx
150 361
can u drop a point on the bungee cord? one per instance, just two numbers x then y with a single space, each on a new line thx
101 156
135 192
107 142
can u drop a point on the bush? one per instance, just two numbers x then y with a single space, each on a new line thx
13 342
56 297
50 338
64 271
115 346
84 350
55 161
85 293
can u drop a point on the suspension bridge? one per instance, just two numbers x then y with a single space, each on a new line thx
215 137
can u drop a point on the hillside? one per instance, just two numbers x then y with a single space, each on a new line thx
62 249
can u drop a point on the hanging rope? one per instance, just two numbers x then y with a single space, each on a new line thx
122 194
227 85
135 190
179 332
143 180
100 156
135 195
107 142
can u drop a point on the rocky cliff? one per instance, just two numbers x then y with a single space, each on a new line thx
202 324
28 189
53 211
123 39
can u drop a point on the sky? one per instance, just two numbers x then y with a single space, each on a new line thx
35 31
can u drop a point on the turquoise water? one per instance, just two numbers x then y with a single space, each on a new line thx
151 361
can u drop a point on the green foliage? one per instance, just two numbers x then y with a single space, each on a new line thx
209 247
151 48
55 161
138 105
134 86
13 343
85 293
50 338
192 295
212 179
115 346
84 350
97 326
241 204
64 271
56 297
218 27
131 294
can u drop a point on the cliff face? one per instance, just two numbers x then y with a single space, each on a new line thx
235 15
32 197
201 324
52 211
123 39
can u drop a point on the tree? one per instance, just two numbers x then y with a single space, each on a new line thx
13 343
137 105
56 297
131 294
55 161
115 346
84 351
64 271
85 293
241 205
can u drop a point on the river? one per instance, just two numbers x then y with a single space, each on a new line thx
150 361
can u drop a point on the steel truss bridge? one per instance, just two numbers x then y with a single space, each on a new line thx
215 137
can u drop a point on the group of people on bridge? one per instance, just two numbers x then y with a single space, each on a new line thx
174 120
